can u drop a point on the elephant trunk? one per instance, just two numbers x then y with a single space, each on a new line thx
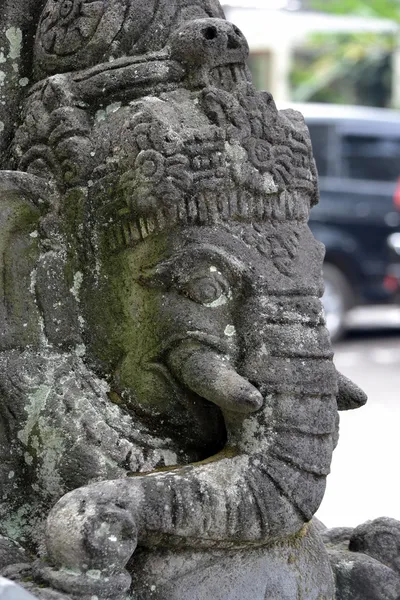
231 501
264 486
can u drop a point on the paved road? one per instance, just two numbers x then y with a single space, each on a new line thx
364 482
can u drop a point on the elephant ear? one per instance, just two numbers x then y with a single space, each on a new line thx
18 21
23 200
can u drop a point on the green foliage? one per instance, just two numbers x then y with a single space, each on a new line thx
383 9
347 68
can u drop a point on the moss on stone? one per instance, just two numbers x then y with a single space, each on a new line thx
19 249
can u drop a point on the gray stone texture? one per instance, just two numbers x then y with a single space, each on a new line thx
366 560
284 571
169 404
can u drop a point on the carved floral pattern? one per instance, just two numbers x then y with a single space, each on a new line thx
150 166
260 154
68 24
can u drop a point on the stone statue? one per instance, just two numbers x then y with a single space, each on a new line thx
168 397
366 560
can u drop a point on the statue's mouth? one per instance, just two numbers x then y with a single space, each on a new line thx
228 76
198 372
210 375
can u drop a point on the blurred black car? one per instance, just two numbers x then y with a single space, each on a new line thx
357 151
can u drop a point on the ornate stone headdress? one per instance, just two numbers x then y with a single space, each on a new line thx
228 156
76 34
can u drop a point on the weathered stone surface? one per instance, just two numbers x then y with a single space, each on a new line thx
338 536
11 553
359 577
285 571
18 22
166 376
380 539
366 560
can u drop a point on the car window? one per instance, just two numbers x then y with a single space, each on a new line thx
374 158
320 143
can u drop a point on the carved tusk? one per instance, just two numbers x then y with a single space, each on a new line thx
211 376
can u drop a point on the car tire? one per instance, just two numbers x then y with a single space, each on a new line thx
336 300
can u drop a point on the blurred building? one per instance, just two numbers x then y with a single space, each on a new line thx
276 29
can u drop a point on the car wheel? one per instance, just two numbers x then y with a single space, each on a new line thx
336 300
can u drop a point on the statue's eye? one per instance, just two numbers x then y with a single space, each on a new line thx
210 290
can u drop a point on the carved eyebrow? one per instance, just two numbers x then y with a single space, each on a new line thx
207 250
212 251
